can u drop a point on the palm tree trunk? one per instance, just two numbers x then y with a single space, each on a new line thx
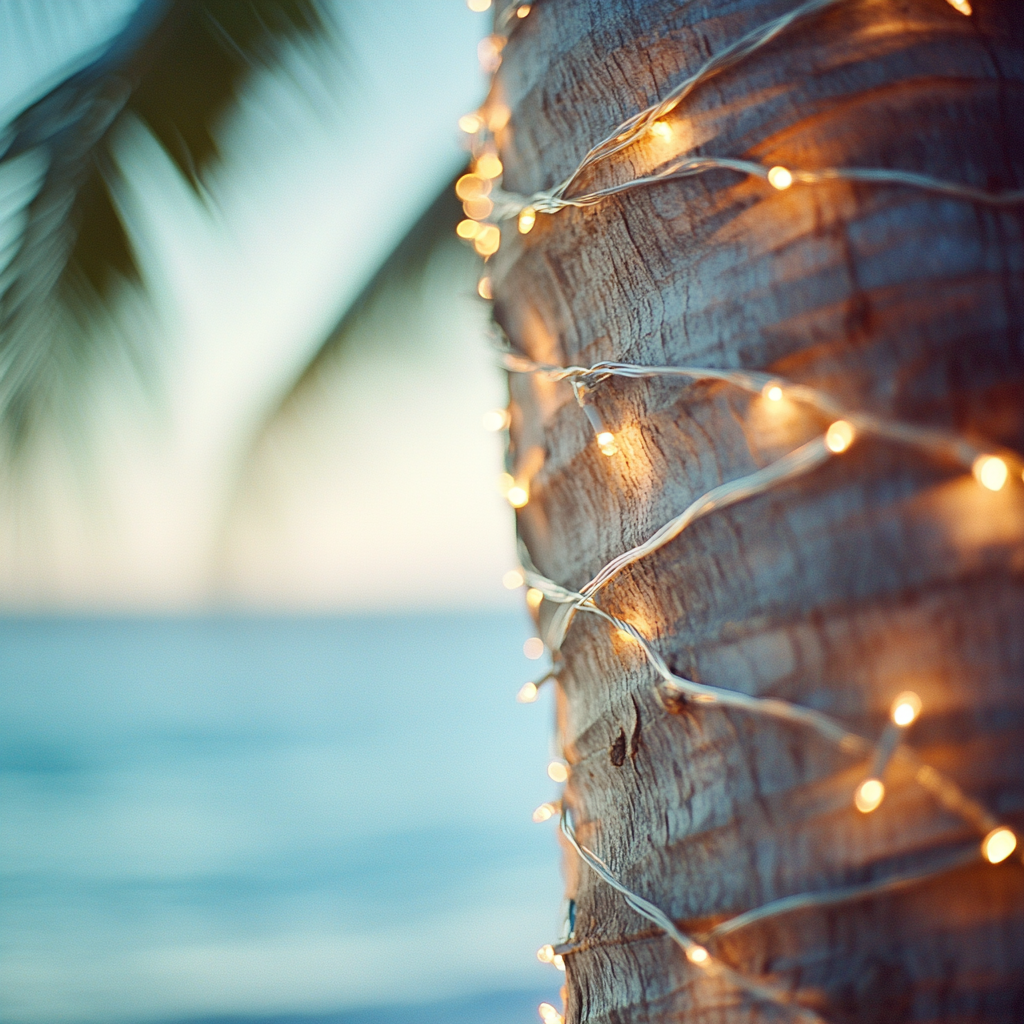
882 571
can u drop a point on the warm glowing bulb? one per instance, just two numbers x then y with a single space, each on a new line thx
483 288
472 186
534 597
990 471
662 129
533 648
522 10
505 482
487 239
498 116
773 393
471 123
478 209
697 955
517 495
495 420
558 961
839 436
543 813
478 5
546 953
606 442
527 693
905 708
489 53
557 772
869 795
488 166
527 218
549 1014
998 845
467 229
961 5
780 178
513 579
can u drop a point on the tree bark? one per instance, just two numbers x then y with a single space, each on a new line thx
882 571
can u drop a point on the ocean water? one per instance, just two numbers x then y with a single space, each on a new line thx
272 819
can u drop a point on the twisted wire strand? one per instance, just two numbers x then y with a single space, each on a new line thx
673 687
942 443
710 965
797 463
840 895
509 204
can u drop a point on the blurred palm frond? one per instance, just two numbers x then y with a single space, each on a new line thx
177 66
395 288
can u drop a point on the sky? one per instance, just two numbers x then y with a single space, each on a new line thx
383 494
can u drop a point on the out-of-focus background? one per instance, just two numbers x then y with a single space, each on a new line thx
260 754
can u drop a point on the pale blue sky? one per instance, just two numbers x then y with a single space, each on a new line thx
385 496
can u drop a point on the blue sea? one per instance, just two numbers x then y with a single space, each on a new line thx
273 820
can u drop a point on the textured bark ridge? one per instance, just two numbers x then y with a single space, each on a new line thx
883 571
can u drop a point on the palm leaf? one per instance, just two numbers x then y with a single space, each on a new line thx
178 66
395 287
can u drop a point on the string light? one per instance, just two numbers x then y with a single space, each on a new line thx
479 6
473 186
534 648
998 845
495 420
489 53
545 812
498 116
905 708
468 229
558 961
870 793
839 436
486 239
546 954
528 693
523 10
518 495
709 964
477 209
513 579
488 165
483 288
549 1015
557 198
527 218
990 471
780 178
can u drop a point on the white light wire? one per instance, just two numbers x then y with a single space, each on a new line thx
510 204
800 461
710 965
